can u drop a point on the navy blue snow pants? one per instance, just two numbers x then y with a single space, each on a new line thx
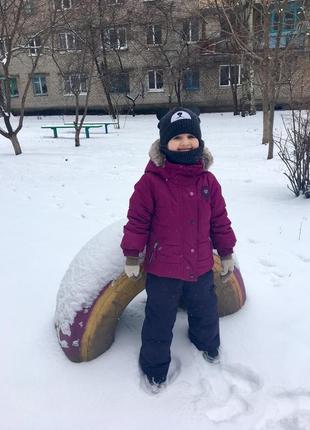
163 296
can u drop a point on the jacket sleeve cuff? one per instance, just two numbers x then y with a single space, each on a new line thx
225 253
131 253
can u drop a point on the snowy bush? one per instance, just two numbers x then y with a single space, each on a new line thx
294 151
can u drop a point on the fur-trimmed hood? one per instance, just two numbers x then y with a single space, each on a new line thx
159 159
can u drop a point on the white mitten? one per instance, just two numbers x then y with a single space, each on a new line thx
228 266
132 267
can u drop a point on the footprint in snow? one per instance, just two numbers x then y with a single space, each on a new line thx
303 258
253 241
266 263
225 391
294 394
298 421
292 411
242 378
278 275
277 279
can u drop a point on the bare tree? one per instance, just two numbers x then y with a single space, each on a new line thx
108 39
268 43
166 45
294 151
248 101
71 54
224 17
23 35
283 34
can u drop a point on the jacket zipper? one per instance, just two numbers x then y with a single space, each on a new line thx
153 251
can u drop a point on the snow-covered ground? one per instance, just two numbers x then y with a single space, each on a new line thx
55 197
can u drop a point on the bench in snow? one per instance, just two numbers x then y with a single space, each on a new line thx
86 127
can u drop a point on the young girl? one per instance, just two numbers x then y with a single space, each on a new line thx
178 213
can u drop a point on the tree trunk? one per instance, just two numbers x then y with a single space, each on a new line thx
17 149
265 102
177 87
169 101
235 100
252 110
103 77
270 133
12 135
77 136
265 138
244 103
102 67
248 105
112 112
111 108
77 122
265 69
250 65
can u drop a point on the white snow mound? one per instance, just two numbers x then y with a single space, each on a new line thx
96 264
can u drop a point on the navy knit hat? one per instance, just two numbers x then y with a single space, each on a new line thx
177 121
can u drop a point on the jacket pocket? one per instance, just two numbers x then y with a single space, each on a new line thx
169 254
204 250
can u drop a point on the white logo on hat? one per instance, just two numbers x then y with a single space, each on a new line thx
181 114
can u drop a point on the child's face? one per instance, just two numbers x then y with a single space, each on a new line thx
183 142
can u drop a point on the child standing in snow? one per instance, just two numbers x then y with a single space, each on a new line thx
178 213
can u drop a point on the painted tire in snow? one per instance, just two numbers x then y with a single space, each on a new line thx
93 329
231 296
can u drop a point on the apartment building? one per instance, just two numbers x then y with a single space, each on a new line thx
154 52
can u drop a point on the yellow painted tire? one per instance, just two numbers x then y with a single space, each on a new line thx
101 325
231 295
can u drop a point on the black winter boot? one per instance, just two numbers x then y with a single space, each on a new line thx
211 356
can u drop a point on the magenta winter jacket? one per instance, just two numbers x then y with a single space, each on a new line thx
177 212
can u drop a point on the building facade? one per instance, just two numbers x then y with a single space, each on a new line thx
143 53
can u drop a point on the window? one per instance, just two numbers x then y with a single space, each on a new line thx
39 85
13 87
63 4
69 42
289 21
117 38
230 75
155 80
75 84
154 34
284 24
12 84
289 18
34 46
191 79
120 83
191 30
